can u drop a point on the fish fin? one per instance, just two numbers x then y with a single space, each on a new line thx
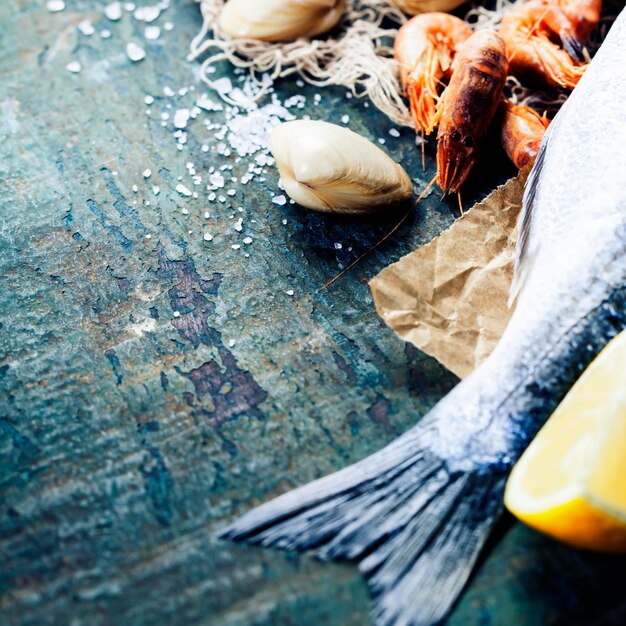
526 248
572 46
415 528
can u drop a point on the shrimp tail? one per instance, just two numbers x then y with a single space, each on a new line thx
414 526
422 93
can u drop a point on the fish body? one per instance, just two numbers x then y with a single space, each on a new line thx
416 514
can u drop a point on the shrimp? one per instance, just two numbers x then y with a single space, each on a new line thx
424 49
468 105
530 49
521 131
573 21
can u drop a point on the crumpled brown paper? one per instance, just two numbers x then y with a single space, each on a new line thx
449 298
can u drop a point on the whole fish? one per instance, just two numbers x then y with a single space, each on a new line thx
416 514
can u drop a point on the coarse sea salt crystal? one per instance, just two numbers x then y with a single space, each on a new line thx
207 236
247 240
54 6
181 117
345 119
289 292
152 33
168 25
86 28
182 190
129 6
105 33
279 200
217 180
134 52
176 313
147 173
148 99
150 13
113 11
74 67
394 132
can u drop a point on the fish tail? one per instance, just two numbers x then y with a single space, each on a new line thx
415 528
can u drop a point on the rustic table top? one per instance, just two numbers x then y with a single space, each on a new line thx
155 384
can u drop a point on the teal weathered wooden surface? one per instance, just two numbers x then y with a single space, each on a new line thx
128 435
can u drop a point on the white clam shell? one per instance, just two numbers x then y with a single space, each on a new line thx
413 7
330 168
279 20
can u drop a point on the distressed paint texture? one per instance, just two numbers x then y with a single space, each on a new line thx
128 436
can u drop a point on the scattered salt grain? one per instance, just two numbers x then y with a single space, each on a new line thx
54 6
279 200
231 343
181 117
168 26
182 190
247 240
381 141
207 215
184 211
156 190
86 28
338 246
113 11
394 132
105 33
176 313
74 67
289 292
217 180
135 53
207 237
345 119
147 173
152 33
148 99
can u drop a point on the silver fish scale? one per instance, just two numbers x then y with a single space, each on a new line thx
573 296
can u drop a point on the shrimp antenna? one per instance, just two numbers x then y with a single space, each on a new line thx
378 243
458 195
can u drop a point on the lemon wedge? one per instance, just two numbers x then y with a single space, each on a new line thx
571 481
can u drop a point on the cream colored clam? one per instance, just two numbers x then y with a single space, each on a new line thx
330 168
413 7
279 20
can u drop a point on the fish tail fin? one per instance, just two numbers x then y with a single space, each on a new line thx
414 527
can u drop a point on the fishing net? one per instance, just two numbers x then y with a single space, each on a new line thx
354 56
